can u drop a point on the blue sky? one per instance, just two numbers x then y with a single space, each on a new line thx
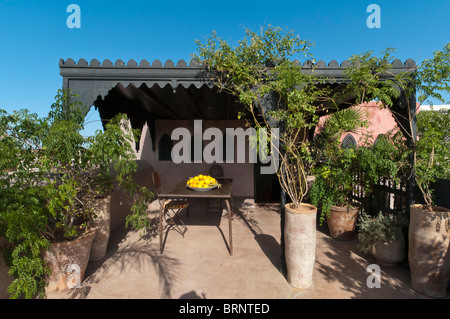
34 34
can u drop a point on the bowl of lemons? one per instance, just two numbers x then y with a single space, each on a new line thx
202 183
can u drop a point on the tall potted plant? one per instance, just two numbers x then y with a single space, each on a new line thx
261 72
50 201
332 191
429 233
429 150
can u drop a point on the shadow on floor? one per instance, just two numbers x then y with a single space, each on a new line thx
131 255
192 295
268 244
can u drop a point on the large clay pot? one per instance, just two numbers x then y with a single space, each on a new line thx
300 244
429 254
341 222
68 261
390 254
102 225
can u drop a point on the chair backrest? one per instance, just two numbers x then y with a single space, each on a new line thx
157 182
216 171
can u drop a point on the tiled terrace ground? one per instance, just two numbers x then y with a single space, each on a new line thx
199 265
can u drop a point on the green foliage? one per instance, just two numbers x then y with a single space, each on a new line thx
58 175
340 171
335 166
432 151
349 120
387 158
433 77
334 181
385 228
370 78
22 202
262 71
430 81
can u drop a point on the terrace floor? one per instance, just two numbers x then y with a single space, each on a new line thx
200 266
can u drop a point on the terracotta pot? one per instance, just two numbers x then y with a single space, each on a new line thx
389 254
68 261
300 244
341 222
429 254
5 279
102 225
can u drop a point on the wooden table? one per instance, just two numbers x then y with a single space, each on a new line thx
180 191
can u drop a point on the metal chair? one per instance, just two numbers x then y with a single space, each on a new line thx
214 205
171 208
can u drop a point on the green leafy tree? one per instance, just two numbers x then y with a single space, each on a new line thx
23 215
432 159
430 152
263 70
57 176
372 78
263 73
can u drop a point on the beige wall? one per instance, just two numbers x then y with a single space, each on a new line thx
171 173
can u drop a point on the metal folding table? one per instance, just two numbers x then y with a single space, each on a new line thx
180 191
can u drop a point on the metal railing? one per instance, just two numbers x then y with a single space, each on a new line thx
386 196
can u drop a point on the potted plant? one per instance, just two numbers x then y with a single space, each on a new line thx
332 190
368 79
382 236
381 233
429 231
50 201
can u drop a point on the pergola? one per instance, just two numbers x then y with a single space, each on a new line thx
151 91
146 92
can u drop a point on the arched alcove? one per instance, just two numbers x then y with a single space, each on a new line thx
348 141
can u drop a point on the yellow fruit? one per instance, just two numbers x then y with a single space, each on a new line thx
201 181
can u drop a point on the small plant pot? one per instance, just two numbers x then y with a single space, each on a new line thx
68 261
389 254
341 222
300 244
429 254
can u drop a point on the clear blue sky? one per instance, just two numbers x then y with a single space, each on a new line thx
34 34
